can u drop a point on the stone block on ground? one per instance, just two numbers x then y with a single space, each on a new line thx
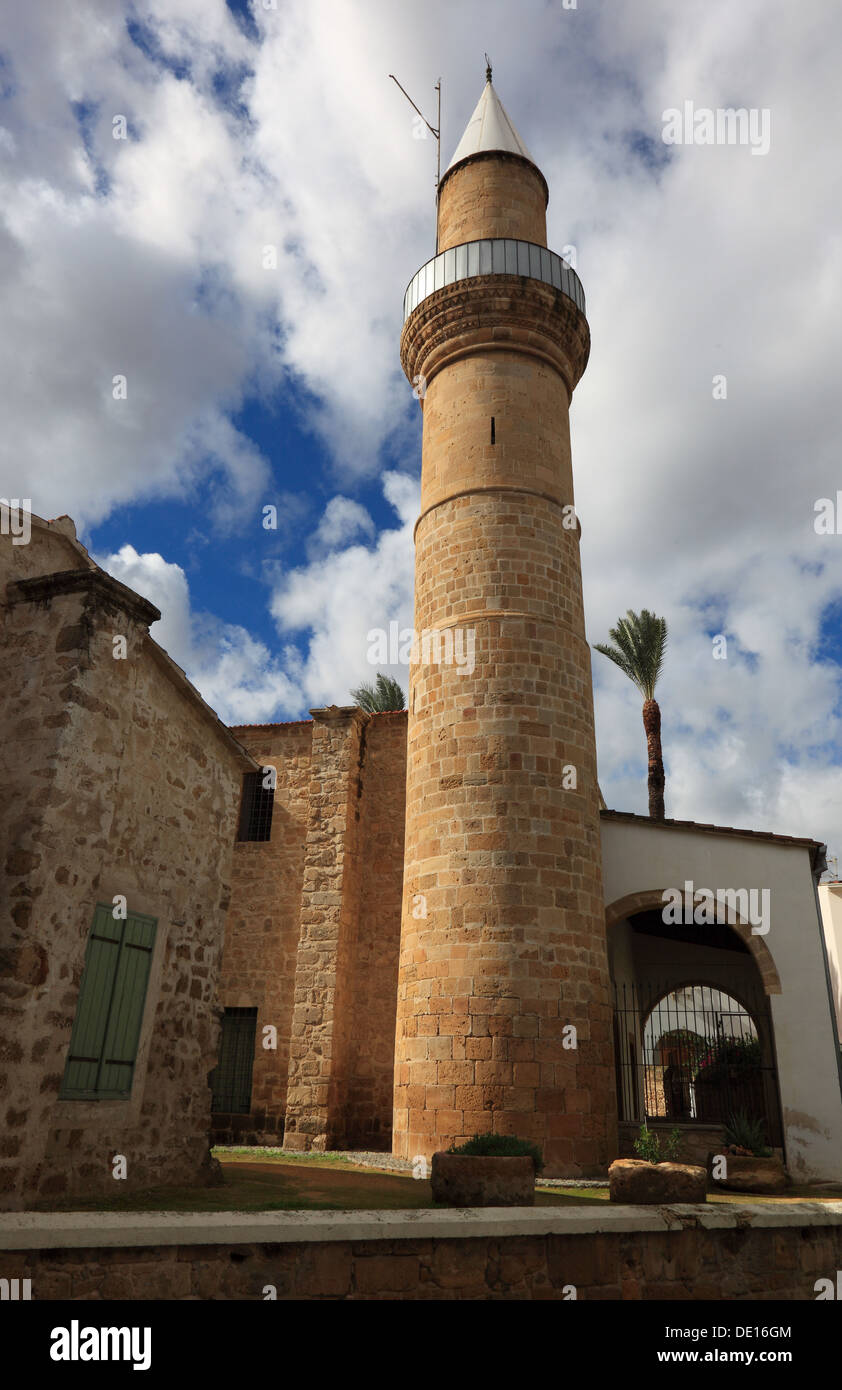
466 1180
751 1174
634 1181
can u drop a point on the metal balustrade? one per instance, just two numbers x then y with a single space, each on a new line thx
497 256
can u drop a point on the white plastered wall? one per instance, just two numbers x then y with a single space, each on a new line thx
830 899
639 858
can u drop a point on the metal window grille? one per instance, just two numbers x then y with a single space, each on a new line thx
257 804
231 1080
692 1054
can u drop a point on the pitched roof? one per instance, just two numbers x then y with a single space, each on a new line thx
89 573
490 128
816 848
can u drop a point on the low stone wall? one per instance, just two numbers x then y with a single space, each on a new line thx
751 1252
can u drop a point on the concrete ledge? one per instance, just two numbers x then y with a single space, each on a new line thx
93 1230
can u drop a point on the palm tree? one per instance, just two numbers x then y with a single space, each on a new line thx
384 695
639 644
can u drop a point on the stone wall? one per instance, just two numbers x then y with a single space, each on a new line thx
492 195
671 1255
263 924
118 780
383 810
502 823
313 932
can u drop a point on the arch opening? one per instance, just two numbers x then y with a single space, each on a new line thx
693 1038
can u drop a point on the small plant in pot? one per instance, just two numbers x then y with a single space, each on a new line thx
745 1135
489 1170
655 1177
500 1146
748 1164
648 1145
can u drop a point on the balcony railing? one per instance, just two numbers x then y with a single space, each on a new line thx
497 256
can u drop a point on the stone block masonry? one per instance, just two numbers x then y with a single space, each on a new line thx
118 780
671 1254
313 932
262 927
503 1016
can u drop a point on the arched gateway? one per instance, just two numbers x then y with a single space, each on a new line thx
693 1037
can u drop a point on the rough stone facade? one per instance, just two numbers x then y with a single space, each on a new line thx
313 932
118 780
262 927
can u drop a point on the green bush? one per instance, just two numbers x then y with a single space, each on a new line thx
729 1052
648 1145
500 1146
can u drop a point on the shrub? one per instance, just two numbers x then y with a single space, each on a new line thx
729 1052
648 1145
500 1146
672 1143
747 1132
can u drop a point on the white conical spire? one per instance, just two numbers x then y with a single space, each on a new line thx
489 129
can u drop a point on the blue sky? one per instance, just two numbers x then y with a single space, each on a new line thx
249 384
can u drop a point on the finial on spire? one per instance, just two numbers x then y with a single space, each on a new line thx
487 68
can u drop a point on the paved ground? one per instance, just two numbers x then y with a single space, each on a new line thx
361 1157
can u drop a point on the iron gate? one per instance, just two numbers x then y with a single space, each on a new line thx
693 1054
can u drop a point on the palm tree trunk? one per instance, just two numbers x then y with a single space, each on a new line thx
652 725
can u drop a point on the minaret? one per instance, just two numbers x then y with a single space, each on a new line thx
503 1019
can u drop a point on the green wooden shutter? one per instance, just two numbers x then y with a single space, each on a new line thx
123 1032
112 994
95 991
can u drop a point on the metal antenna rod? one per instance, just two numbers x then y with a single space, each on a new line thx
438 144
432 130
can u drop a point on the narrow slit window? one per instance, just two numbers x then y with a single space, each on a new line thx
492 429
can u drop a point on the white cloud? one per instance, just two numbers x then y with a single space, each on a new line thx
236 674
333 600
336 600
146 257
343 520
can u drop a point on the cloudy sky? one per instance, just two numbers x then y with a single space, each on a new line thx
239 258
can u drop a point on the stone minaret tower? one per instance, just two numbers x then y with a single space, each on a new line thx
503 935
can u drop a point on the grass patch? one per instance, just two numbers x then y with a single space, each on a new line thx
300 1182
273 1184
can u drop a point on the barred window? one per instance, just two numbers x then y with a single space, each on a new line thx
230 1082
258 800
